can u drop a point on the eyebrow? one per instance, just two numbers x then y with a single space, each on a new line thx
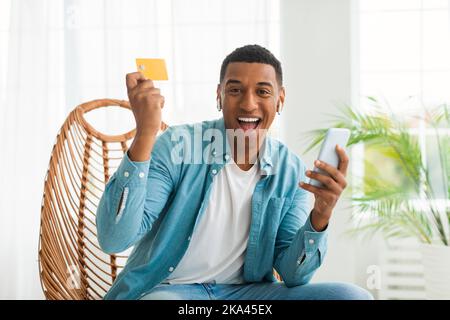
263 83
231 81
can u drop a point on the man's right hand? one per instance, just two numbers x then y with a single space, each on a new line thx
146 103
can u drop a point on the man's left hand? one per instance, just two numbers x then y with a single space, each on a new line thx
327 196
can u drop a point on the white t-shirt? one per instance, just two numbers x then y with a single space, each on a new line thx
218 245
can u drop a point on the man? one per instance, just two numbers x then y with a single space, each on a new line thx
212 217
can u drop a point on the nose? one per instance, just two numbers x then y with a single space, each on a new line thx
249 102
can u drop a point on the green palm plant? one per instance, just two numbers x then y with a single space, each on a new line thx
389 199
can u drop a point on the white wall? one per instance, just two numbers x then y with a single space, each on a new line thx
316 57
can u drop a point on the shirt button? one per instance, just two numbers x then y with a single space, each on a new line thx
171 269
189 239
227 157
126 174
141 175
311 241
214 171
214 152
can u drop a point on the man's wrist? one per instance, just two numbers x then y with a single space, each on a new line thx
141 148
317 222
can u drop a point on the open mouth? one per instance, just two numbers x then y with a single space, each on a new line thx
248 123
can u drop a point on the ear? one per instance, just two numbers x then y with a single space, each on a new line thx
218 92
281 96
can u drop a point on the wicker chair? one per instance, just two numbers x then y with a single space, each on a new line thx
71 263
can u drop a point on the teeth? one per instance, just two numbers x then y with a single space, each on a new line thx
248 119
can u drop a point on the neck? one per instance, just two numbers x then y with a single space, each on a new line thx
245 160
245 153
245 166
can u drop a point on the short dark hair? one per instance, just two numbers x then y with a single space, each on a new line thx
253 53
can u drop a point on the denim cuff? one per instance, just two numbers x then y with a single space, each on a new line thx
132 173
314 239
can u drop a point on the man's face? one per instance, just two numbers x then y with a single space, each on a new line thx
249 95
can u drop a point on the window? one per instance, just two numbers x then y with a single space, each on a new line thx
405 51
403 61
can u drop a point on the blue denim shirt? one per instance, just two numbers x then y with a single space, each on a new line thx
164 198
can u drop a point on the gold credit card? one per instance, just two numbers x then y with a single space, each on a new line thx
153 69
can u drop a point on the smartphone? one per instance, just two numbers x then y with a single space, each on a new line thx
328 152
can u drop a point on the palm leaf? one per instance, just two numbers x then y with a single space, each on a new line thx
382 201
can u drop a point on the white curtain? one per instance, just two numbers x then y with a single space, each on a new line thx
57 54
